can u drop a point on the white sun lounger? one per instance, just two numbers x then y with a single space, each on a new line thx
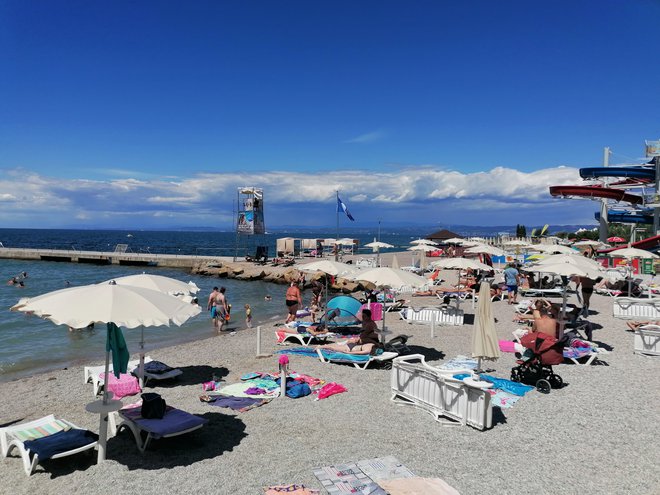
435 391
303 338
92 374
356 360
442 316
14 437
630 308
529 292
175 422
647 340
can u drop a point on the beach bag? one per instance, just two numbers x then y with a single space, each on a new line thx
297 390
153 406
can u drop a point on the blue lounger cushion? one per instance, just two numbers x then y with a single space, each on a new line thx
62 441
174 421
341 357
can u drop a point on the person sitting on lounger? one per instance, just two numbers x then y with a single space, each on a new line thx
365 343
634 325
547 323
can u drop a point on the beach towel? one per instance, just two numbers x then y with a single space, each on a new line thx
116 344
460 363
330 389
122 386
239 389
361 477
514 388
341 357
418 486
502 399
62 441
302 351
241 404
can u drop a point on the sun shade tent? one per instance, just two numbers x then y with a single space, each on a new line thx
117 306
342 310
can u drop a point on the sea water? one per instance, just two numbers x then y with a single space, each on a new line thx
29 344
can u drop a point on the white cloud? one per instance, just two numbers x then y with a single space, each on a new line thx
209 197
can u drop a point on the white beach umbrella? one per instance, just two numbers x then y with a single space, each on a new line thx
587 242
478 239
632 253
166 285
389 277
421 247
334 268
117 306
173 287
378 245
484 338
461 264
424 241
485 249
454 240
516 242
554 248
345 242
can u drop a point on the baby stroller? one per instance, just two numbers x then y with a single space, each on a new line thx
537 370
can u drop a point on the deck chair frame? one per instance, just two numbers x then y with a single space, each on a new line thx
9 442
142 436
382 358
304 338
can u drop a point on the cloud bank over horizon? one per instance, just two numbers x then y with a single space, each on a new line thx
416 194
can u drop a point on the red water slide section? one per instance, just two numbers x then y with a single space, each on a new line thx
648 244
596 192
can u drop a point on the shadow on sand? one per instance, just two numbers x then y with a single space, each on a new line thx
192 375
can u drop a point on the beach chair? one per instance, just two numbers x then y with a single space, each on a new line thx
175 422
442 316
360 361
647 340
303 338
155 370
92 374
629 308
45 438
535 292
435 391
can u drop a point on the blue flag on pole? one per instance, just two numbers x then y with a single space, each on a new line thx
342 207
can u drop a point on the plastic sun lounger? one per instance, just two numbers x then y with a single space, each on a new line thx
175 422
14 437
92 374
435 391
303 338
647 340
608 292
167 375
556 291
442 316
360 361
630 308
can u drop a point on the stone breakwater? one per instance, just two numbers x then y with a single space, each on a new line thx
243 270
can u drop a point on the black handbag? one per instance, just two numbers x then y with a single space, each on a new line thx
153 406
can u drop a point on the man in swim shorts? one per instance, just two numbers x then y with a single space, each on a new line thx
512 280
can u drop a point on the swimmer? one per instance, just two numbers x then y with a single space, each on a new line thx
267 298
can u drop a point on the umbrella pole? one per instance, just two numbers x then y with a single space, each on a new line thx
103 426
141 368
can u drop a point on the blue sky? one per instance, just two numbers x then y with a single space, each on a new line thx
147 114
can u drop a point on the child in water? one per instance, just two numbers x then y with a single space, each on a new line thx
248 316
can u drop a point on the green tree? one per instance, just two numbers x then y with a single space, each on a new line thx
521 231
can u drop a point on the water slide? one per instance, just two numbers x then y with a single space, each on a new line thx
596 192
623 216
645 173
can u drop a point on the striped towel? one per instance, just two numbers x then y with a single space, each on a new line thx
41 431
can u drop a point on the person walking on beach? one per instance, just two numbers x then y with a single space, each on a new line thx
210 306
248 316
222 309
512 280
293 301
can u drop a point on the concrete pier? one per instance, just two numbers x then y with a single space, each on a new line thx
112 257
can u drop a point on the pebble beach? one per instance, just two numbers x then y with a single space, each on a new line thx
596 434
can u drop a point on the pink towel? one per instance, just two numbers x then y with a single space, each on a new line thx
507 346
376 311
124 385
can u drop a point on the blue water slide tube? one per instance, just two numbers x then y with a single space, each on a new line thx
617 216
632 172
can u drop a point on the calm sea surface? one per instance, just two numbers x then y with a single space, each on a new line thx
30 344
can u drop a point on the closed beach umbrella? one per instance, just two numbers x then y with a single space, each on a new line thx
484 338
117 306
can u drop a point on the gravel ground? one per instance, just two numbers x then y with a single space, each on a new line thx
593 435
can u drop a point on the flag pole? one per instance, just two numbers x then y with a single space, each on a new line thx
337 232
